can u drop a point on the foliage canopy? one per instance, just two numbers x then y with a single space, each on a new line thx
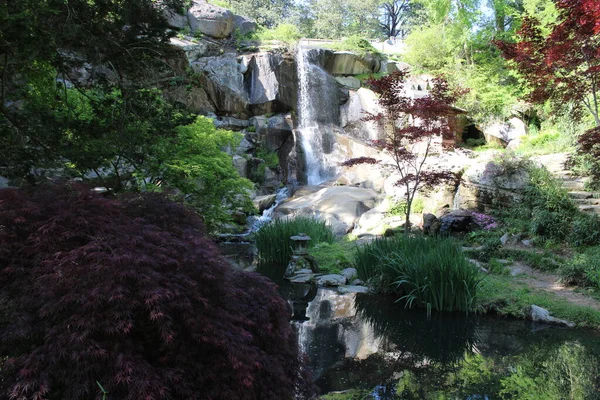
129 293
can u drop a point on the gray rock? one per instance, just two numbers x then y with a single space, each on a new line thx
271 82
340 206
348 63
539 314
331 280
527 243
210 20
279 131
431 224
264 202
358 282
302 278
352 289
504 239
230 123
304 271
224 83
349 82
361 101
457 221
176 20
194 99
243 25
245 146
4 183
349 273
241 165
504 132
516 270
488 185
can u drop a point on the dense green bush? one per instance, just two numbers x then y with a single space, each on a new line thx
358 45
428 272
583 269
273 240
287 33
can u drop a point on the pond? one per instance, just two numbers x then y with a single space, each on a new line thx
370 347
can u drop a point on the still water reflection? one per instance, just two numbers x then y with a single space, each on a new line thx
374 348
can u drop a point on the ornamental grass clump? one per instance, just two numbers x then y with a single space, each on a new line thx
275 246
426 272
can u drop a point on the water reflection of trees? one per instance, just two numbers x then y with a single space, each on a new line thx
442 338
440 358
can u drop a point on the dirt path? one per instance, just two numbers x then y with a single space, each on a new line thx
551 283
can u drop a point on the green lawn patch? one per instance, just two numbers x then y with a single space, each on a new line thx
507 296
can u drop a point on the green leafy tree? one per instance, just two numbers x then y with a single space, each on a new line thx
268 13
193 164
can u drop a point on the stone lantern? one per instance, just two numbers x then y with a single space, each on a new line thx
301 260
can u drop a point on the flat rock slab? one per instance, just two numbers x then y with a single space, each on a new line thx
331 280
352 289
340 206
304 278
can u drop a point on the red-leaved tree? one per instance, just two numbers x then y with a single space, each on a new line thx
411 125
563 66
127 296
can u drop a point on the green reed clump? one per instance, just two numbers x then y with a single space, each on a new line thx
273 240
429 272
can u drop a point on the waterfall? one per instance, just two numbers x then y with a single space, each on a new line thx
316 108
457 201
267 215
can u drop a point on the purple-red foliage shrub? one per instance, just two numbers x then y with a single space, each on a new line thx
128 293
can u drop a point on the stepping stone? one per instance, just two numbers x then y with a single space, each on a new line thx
590 209
581 195
574 185
352 289
587 202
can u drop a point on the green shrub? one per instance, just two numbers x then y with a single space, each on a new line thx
399 208
428 272
270 157
287 33
357 45
585 230
275 247
583 269
333 257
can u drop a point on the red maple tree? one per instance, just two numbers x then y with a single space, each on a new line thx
563 66
412 124
129 294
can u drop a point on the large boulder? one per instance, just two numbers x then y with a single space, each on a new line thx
489 184
244 26
457 221
361 103
279 131
349 81
224 83
210 20
195 99
347 63
241 165
503 132
175 19
264 202
340 206
270 79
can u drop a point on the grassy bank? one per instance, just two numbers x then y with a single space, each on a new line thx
507 295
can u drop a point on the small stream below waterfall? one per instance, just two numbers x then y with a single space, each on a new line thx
374 348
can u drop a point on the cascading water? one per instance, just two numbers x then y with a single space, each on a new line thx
315 92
